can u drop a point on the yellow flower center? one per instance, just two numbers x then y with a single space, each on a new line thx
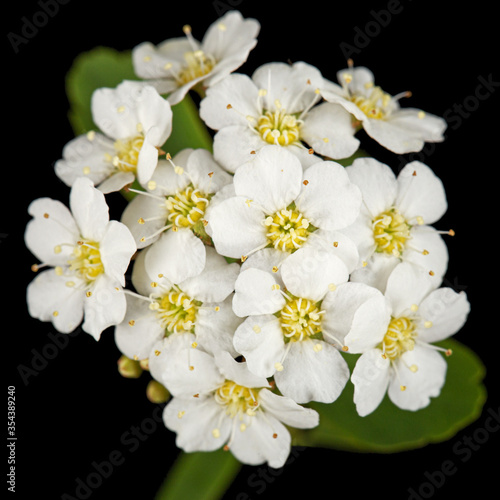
176 311
278 127
288 229
399 338
127 153
375 105
391 231
186 207
237 399
300 318
86 261
197 64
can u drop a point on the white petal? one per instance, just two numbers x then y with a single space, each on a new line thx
237 227
177 255
272 179
238 91
105 307
311 373
115 182
215 326
238 371
147 161
427 252
286 410
113 110
356 314
370 377
235 145
150 210
342 246
231 37
260 340
328 130
420 193
117 247
376 271
264 440
167 179
49 298
256 292
215 282
377 183
52 231
268 260
422 384
329 199
182 369
83 156
406 287
194 420
153 111
89 209
292 85
446 310
136 335
369 325
205 173
311 271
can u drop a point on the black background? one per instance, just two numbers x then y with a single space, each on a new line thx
77 408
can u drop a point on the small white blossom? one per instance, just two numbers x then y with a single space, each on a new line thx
398 356
401 130
134 121
218 403
279 205
179 64
88 255
173 305
395 220
280 104
176 197
298 312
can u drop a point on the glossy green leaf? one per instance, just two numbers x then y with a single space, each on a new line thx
390 429
199 476
100 67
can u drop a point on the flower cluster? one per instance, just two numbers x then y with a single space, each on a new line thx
258 267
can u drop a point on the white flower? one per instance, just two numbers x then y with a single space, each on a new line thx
179 303
298 311
219 403
277 105
394 221
88 254
134 121
179 64
398 357
279 205
401 130
176 197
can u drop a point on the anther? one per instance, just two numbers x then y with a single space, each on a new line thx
131 322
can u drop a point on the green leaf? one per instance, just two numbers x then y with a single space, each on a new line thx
106 67
100 67
390 429
199 476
